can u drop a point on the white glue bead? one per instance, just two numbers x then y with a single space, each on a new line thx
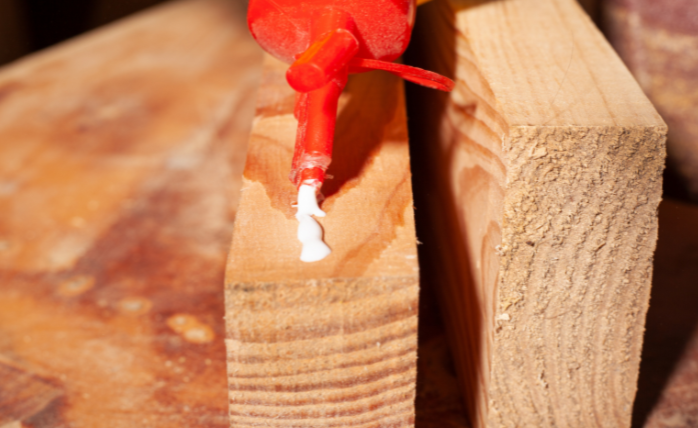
307 202
309 231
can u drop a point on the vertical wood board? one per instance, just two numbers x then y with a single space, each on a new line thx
545 165
330 343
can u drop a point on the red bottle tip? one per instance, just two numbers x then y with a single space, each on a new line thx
306 77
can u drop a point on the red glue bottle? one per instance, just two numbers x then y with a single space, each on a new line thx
324 41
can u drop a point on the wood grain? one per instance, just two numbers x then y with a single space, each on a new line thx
121 154
23 394
658 40
544 171
331 343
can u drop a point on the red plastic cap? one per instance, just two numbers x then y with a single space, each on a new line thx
322 61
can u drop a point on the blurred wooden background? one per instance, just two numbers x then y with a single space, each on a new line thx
30 25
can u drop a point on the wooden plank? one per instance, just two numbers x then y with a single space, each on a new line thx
330 343
658 40
120 161
542 183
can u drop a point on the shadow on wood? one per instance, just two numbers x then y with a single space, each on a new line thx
426 108
671 336
360 131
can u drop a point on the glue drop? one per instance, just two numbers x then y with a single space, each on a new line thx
309 230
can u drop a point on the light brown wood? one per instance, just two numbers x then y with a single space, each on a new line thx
544 176
330 343
120 161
